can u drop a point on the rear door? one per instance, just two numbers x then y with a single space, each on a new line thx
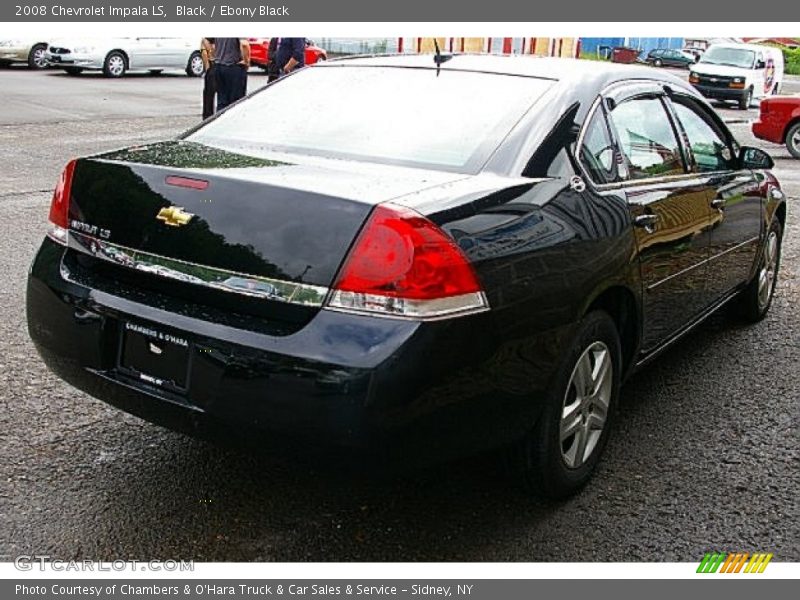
733 195
143 53
173 53
672 58
669 207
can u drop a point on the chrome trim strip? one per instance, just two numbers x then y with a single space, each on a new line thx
407 309
201 275
702 262
647 356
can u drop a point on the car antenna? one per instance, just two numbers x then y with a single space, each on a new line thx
439 58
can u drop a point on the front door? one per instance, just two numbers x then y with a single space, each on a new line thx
734 196
671 214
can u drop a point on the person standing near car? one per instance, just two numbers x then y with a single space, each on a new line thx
273 71
231 61
291 54
209 76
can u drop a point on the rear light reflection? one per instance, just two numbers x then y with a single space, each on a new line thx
187 182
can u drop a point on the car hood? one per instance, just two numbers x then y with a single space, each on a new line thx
720 70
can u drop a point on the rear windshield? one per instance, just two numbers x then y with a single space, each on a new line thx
451 121
730 57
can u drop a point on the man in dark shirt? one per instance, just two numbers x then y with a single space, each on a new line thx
231 61
291 54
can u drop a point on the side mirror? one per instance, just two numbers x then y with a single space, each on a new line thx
755 158
760 64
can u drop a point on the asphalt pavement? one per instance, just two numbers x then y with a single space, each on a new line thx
704 456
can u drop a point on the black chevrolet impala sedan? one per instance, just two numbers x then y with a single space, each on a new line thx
408 255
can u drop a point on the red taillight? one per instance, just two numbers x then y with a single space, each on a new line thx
59 206
402 264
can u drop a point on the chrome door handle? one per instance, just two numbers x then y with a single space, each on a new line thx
718 203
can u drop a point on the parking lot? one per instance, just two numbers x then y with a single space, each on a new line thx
705 454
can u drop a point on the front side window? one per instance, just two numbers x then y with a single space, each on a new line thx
647 139
711 152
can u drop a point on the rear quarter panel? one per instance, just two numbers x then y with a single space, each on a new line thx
543 253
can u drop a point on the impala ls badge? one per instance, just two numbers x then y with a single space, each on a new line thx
174 216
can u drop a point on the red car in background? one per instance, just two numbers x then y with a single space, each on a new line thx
259 52
779 122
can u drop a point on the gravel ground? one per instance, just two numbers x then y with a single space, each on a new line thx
704 456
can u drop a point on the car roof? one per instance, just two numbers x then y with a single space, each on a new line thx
525 65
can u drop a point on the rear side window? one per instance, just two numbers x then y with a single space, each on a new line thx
711 152
597 151
647 139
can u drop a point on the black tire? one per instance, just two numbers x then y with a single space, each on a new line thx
192 68
539 460
36 57
115 64
754 304
74 71
657 62
746 99
793 140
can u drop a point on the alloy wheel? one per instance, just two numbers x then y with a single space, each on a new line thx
769 268
586 403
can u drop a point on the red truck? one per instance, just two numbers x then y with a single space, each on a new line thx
259 52
779 122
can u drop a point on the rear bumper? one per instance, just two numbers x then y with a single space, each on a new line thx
420 391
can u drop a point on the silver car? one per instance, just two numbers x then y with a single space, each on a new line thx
116 56
30 51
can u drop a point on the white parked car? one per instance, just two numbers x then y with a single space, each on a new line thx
30 51
117 56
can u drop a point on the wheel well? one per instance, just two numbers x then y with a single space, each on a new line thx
789 125
620 304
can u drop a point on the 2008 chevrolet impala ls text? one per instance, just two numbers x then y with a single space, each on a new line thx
441 255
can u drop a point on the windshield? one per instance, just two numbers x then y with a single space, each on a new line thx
731 57
451 121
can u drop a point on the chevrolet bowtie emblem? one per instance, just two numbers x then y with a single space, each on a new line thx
174 216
